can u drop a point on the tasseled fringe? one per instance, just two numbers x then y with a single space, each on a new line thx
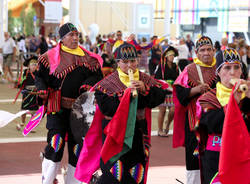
91 67
54 101
150 82
119 94
64 72
194 83
44 62
191 120
71 68
60 75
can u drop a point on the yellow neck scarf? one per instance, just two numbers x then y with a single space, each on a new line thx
199 62
222 93
78 51
125 78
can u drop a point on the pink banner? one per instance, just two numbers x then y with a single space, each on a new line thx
34 121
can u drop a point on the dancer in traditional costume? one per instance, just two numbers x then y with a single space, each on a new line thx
27 86
64 73
168 71
211 109
196 79
122 145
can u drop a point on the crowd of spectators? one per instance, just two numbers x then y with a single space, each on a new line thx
149 58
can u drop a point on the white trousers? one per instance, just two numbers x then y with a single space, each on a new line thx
193 177
50 169
70 179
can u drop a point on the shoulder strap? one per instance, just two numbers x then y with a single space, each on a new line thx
199 73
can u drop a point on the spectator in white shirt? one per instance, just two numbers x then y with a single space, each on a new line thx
8 49
21 44
183 54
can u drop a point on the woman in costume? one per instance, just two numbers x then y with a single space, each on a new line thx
168 71
211 108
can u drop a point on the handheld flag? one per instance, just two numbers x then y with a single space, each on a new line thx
234 163
7 117
116 130
34 121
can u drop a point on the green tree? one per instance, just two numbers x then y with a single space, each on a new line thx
22 19
11 28
29 27
24 23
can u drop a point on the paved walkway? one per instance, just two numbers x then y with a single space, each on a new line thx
20 162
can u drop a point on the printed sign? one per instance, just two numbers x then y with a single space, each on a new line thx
53 11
